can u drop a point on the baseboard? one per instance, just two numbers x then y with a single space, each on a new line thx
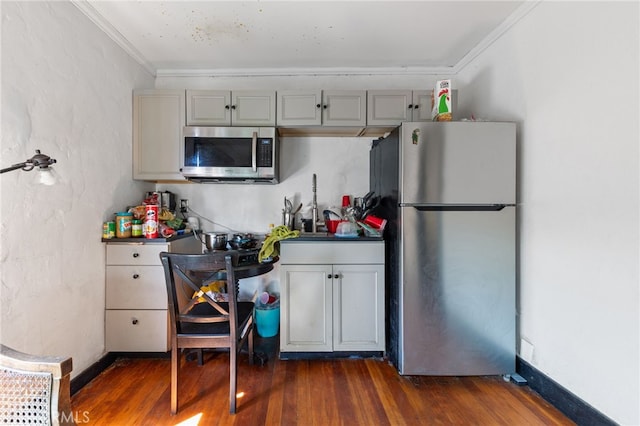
92 372
330 355
103 363
569 404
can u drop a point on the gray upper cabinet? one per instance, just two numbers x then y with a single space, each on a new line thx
231 108
392 107
318 107
299 108
158 118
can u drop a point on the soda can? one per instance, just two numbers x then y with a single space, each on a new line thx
108 230
150 227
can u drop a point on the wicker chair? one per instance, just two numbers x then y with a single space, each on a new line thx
34 389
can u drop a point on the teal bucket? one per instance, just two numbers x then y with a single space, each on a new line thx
267 321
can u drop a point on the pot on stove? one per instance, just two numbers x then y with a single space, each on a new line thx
242 241
215 241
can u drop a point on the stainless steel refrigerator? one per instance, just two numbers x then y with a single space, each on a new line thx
448 192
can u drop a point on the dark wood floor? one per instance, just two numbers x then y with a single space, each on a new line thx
303 392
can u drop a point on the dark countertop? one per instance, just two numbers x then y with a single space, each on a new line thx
325 236
147 240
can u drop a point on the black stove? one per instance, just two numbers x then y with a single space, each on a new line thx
245 256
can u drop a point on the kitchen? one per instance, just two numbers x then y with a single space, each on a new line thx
578 294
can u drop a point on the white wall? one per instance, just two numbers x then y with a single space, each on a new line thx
568 74
66 89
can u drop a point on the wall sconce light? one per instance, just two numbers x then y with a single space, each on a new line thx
42 162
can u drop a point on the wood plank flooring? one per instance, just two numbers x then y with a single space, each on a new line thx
304 392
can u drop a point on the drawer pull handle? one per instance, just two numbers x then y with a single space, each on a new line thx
136 276
134 321
136 254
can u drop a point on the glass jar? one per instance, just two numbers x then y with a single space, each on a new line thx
123 224
136 228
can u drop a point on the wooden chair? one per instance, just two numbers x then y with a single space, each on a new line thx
34 389
197 324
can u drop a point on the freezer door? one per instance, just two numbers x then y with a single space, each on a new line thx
457 292
458 163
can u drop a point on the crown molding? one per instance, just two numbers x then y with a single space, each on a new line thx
292 72
114 34
494 35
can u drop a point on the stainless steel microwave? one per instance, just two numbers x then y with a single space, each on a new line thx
230 154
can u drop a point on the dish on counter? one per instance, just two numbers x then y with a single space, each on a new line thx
347 235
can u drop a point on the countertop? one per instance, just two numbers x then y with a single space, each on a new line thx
325 236
143 240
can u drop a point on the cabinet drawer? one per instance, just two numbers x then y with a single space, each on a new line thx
136 287
347 252
137 331
135 254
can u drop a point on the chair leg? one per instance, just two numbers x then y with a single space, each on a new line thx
233 377
175 366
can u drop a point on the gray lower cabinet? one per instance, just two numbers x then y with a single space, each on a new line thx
136 296
332 296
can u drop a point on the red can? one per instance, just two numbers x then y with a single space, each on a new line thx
150 227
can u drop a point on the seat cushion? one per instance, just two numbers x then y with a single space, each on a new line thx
245 311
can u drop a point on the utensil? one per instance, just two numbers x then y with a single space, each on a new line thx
287 205
298 209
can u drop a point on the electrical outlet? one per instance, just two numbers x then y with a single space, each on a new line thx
184 205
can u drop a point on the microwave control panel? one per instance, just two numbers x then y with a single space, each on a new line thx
265 152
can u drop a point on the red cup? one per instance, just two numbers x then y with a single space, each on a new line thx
332 225
375 222
346 201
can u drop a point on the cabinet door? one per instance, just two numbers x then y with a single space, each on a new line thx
358 308
137 330
344 108
135 287
135 254
301 108
305 308
388 107
158 118
421 105
253 108
208 107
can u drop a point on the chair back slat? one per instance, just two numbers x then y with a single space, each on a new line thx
186 274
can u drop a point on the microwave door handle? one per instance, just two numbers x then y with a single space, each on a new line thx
254 153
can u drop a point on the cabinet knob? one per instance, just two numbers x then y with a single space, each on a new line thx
318 105
136 276
134 321
416 106
410 106
325 106
233 107
329 276
227 107
136 254
336 276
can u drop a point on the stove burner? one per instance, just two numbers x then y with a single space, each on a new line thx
245 256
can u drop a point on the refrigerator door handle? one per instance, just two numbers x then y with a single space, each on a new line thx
456 207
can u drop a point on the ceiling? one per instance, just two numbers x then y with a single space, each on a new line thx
252 37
